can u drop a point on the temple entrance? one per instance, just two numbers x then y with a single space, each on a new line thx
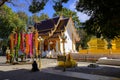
45 45
52 45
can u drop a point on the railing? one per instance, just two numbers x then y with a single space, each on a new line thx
100 51
95 56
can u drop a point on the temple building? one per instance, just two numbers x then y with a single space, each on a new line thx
51 30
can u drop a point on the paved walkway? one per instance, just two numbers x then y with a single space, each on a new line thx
78 74
22 72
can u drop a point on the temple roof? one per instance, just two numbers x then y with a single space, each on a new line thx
46 24
60 28
52 28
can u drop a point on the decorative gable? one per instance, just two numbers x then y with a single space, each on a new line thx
45 27
53 28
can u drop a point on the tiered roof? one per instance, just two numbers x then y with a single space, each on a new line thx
60 28
45 27
52 28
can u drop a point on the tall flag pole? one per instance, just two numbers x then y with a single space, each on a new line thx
36 42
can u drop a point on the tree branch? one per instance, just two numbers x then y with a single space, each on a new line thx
12 3
2 2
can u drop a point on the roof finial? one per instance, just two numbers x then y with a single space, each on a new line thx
61 13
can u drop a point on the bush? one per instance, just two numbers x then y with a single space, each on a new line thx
68 64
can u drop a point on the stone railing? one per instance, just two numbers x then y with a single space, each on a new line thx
100 51
93 57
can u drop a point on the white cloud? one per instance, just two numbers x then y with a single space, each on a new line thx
82 17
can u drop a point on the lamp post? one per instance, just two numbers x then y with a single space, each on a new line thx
40 39
63 37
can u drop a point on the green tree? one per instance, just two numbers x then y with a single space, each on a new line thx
23 16
2 2
84 37
38 5
9 21
68 13
35 18
43 17
105 17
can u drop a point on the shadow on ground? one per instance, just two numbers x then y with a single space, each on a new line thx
24 74
102 70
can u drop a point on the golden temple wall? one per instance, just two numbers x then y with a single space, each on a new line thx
97 43
99 46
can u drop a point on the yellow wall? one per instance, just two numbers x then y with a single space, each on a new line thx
99 46
116 43
97 43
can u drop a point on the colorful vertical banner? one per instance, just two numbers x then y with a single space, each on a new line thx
18 44
22 42
27 43
16 38
31 44
12 42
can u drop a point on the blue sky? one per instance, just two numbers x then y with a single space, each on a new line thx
22 5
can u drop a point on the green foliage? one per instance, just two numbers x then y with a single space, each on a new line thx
2 2
33 19
104 17
84 38
43 17
9 21
68 13
23 16
37 5
58 6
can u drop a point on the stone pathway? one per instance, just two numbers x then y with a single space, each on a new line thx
48 72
